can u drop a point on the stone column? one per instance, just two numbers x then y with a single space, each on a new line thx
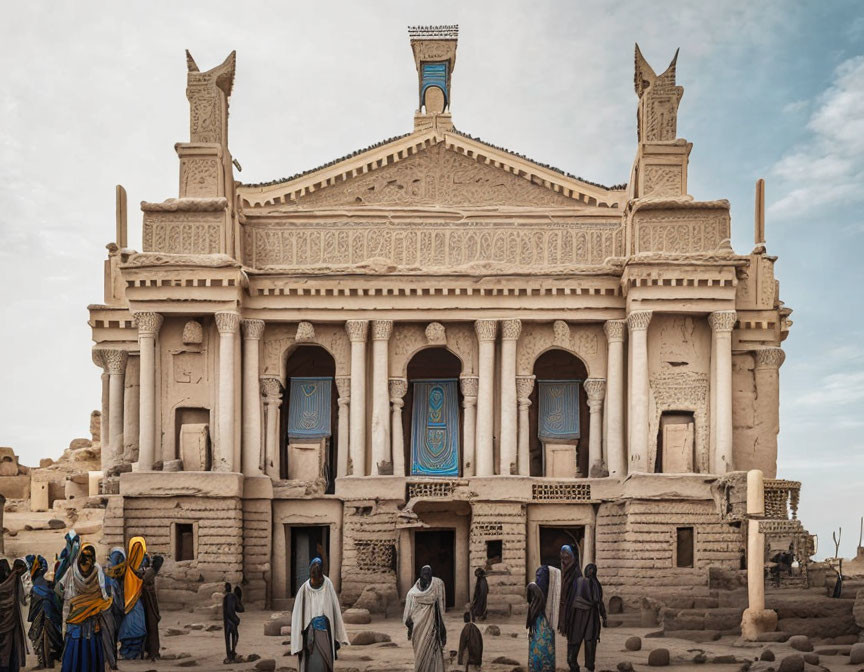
588 546
398 388
131 408
148 327
343 387
468 384
484 443
616 454
357 330
524 387
756 619
638 416
722 322
767 377
113 364
510 330
595 388
271 389
253 330
382 459
223 458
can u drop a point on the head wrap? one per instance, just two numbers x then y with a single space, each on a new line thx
89 598
316 561
541 577
68 555
131 582
536 606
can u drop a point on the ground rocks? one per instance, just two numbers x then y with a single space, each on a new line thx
858 609
504 660
492 631
768 655
367 637
793 663
357 616
800 643
633 643
625 667
658 658
856 654
772 637
273 627
694 635
266 665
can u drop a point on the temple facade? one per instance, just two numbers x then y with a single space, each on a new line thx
435 350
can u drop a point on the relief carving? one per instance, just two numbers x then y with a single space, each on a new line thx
587 342
208 94
662 181
680 233
409 339
200 177
188 367
182 232
659 98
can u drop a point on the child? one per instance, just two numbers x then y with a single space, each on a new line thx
470 645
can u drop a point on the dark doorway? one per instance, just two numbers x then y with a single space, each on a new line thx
307 543
435 548
553 538
184 542
684 547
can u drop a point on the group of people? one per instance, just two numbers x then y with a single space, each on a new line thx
81 614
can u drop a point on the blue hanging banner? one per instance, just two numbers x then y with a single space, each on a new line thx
558 416
435 428
309 408
434 74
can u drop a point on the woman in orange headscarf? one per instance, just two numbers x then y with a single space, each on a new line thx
133 629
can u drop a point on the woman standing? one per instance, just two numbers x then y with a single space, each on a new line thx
115 570
151 606
45 616
13 647
541 635
133 629
83 590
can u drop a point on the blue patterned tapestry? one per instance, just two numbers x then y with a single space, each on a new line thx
434 74
435 428
309 408
558 417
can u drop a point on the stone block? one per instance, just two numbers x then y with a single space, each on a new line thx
195 447
856 654
793 663
800 643
658 658
367 637
633 643
819 628
16 487
768 655
723 619
858 609
273 627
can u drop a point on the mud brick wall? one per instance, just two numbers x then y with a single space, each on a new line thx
218 525
112 525
369 547
257 540
507 522
636 547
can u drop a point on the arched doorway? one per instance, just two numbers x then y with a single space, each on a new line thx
309 414
559 439
433 432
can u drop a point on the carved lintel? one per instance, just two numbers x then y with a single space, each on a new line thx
252 329
148 323
769 358
639 320
227 322
722 320
357 330
615 330
486 329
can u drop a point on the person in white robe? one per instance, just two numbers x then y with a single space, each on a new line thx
317 628
424 617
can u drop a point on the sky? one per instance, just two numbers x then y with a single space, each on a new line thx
93 94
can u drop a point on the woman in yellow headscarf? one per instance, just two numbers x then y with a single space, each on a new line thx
133 629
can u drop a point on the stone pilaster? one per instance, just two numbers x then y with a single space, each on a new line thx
638 324
616 454
767 379
595 388
227 323
343 387
468 387
397 388
148 328
722 322
382 459
524 387
357 332
271 390
486 331
253 330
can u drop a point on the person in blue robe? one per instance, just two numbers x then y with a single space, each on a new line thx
45 615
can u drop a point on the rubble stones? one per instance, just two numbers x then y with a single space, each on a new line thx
367 637
800 643
811 658
633 643
625 667
699 636
768 655
793 663
266 665
856 654
357 616
658 658
504 660
493 631
772 637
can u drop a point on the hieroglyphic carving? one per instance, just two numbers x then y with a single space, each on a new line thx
682 391
662 181
437 176
182 232
680 232
329 245
199 177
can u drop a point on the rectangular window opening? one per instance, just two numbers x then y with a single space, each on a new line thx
684 547
184 541
494 551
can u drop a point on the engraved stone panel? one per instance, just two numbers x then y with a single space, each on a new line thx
182 232
680 231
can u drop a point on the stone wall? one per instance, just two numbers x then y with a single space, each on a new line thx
369 547
636 540
257 547
505 521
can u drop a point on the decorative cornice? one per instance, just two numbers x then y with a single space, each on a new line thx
486 329
187 205
381 330
305 332
510 330
639 320
227 322
723 320
615 330
436 334
595 388
252 329
398 388
357 330
769 358
148 323
469 386
524 387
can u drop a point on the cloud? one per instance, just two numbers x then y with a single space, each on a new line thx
828 166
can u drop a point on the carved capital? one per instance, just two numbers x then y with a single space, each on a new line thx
227 322
343 388
305 333
469 386
524 387
595 388
381 330
510 330
769 358
357 330
398 387
112 361
639 320
148 324
436 334
252 329
722 320
615 330
271 389
486 330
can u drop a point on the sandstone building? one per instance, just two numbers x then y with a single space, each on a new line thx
438 350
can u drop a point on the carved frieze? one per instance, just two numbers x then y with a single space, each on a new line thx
182 232
662 180
680 231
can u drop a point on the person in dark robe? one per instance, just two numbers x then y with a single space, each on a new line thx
481 594
13 644
541 634
838 585
232 604
67 556
588 614
470 644
317 628
133 628
151 606
45 616
115 569
425 605
570 573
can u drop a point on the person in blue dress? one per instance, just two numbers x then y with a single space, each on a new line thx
115 569
541 634
45 615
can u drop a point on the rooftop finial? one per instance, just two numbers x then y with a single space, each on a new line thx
434 50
